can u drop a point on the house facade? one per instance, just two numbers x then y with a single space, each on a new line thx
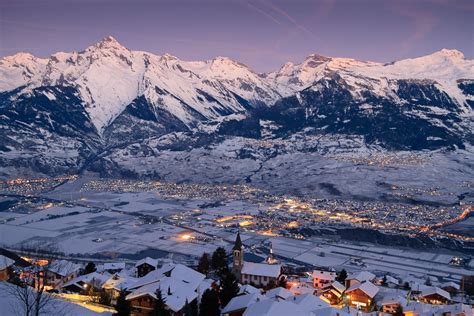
435 296
333 293
57 273
5 267
361 296
323 279
142 305
145 266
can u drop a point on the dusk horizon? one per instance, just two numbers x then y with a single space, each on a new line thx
247 30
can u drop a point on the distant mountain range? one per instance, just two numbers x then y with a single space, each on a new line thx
64 113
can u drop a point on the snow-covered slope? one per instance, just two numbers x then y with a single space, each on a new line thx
72 109
108 77
445 67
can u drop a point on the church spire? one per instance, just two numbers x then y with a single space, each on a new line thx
238 242
238 252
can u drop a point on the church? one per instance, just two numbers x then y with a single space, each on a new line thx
258 274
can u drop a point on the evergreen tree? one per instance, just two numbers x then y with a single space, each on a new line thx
428 282
160 305
194 308
186 308
229 287
204 264
219 259
209 304
191 309
104 298
384 280
123 306
342 276
90 267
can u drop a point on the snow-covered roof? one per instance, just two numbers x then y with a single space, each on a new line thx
450 284
391 279
119 282
242 301
188 275
262 269
324 275
393 299
301 288
275 308
180 292
361 276
330 311
435 290
5 262
248 289
147 260
63 267
338 286
178 271
151 277
308 302
183 282
94 278
367 287
278 292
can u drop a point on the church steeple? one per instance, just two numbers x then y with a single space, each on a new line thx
238 254
238 242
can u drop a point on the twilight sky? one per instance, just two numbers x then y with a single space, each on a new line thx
263 34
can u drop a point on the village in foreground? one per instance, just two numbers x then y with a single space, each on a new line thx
226 282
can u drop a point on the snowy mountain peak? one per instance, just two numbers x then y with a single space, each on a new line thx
168 57
109 42
317 57
108 78
19 58
453 53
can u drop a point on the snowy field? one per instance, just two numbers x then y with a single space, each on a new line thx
388 259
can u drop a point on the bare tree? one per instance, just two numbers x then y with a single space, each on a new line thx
30 291
24 302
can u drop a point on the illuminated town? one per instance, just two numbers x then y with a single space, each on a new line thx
120 221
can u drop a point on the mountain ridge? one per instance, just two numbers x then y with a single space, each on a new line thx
75 107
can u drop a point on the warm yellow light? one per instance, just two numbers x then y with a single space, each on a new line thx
293 224
186 237
268 233
230 218
245 223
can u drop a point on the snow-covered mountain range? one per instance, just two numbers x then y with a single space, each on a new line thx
71 109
